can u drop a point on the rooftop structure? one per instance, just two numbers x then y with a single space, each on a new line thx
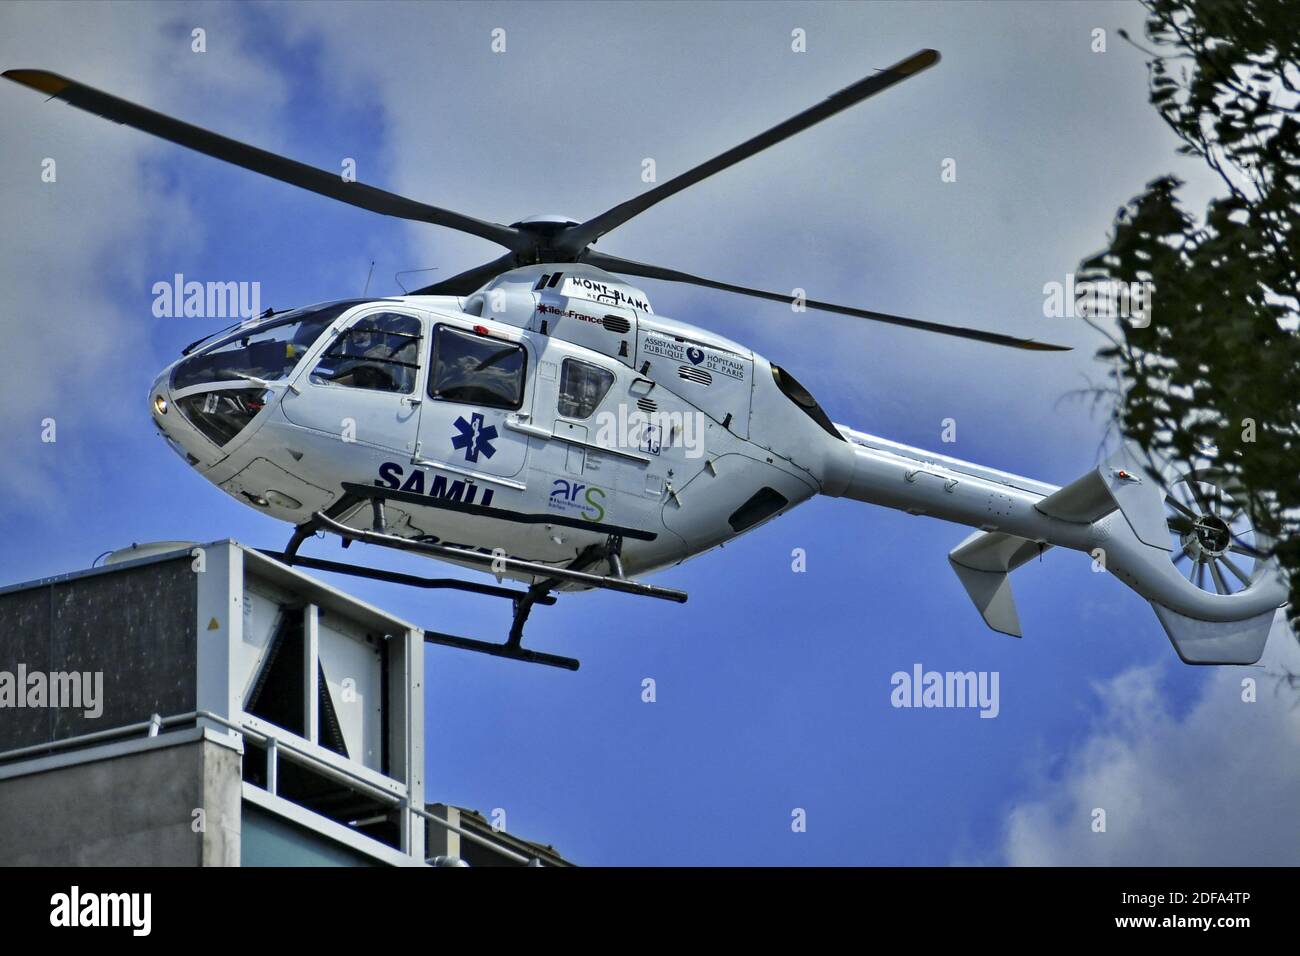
207 705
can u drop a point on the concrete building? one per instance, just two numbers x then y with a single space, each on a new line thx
209 706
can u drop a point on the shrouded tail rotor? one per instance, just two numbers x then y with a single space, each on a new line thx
1215 544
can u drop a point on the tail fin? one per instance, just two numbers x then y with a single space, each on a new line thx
1216 642
1142 548
983 562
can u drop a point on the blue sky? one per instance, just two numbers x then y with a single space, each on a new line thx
773 687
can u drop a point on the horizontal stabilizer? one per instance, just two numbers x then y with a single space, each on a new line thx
982 563
1123 483
1082 501
1210 642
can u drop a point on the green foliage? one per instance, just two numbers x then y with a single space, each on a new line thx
1222 350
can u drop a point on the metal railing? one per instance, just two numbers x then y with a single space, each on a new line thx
477 838
150 726
155 724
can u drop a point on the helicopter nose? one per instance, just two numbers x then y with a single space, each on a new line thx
160 400
174 418
167 417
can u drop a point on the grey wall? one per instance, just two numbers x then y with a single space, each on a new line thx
131 810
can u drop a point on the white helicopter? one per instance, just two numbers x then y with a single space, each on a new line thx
535 419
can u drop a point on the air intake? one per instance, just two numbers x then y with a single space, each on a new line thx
692 374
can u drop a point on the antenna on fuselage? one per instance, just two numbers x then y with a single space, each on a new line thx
369 275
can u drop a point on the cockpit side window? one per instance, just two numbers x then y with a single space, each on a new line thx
582 387
476 369
380 352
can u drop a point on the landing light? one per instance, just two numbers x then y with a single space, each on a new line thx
281 500
160 405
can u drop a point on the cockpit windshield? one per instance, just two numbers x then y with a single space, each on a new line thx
267 351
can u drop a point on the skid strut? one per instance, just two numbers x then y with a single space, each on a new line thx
546 577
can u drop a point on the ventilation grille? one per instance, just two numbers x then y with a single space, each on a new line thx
331 734
764 503
692 374
646 404
616 324
277 694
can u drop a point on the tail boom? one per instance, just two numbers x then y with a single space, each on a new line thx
1115 512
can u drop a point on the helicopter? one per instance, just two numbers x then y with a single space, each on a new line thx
534 418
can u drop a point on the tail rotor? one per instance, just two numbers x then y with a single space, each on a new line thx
1215 546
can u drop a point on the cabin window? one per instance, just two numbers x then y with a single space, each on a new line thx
476 369
582 387
379 352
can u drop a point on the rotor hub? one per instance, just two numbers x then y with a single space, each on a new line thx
1215 546
1211 534
548 225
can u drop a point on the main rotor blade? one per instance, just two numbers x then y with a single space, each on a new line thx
628 267
580 236
259 160
471 280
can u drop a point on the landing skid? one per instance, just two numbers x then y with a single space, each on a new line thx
546 577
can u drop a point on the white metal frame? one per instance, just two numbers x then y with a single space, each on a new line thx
227 565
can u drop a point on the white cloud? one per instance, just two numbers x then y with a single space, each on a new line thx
1217 785
68 247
